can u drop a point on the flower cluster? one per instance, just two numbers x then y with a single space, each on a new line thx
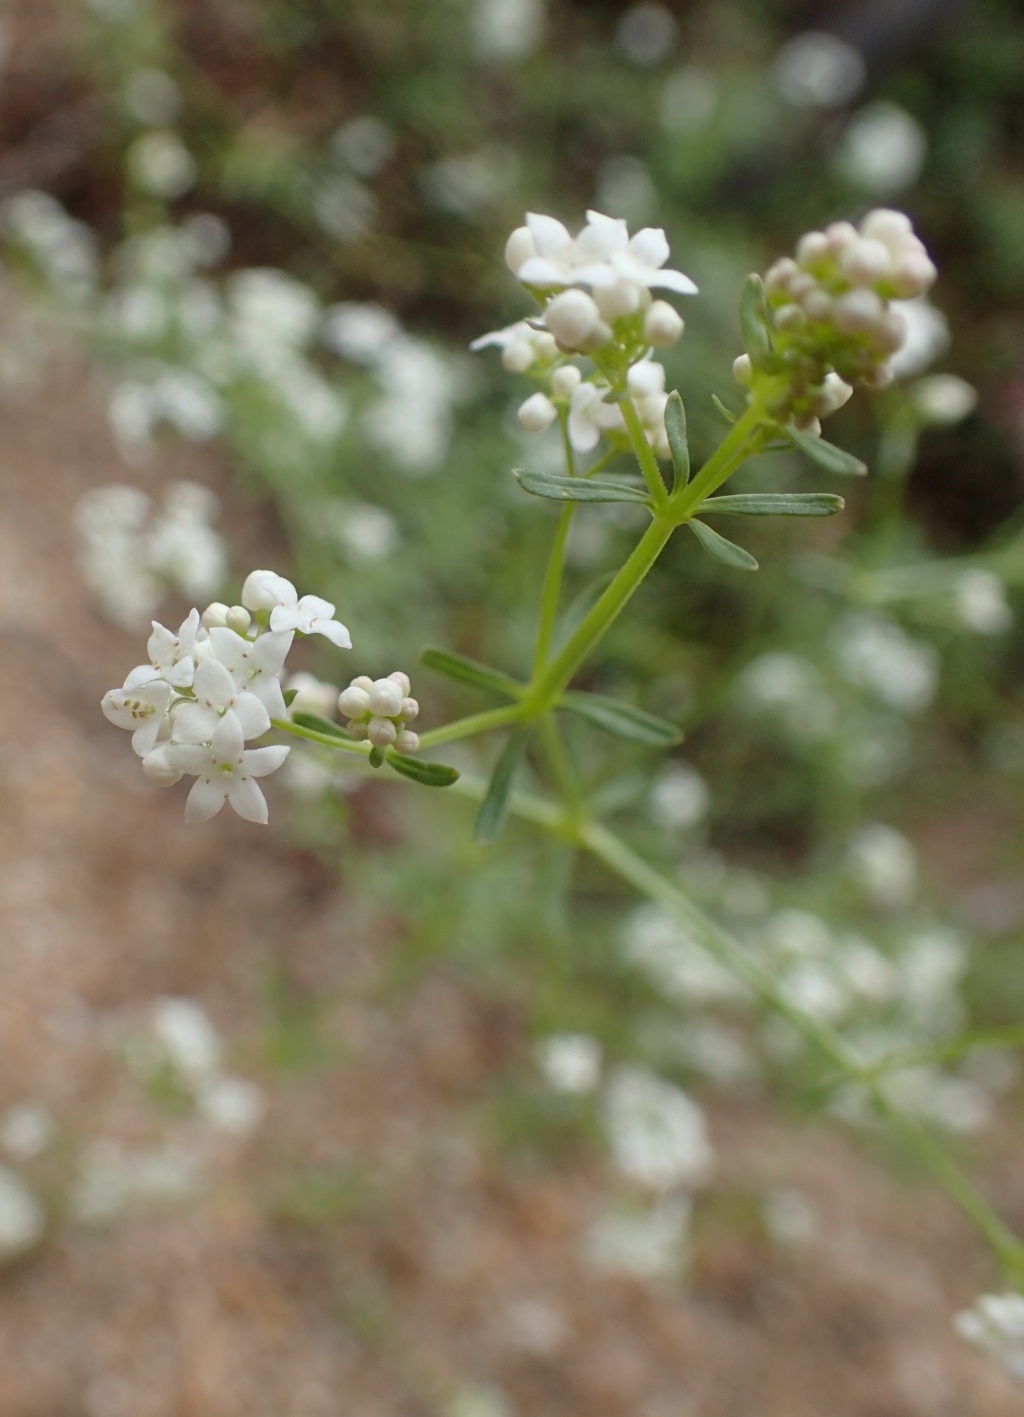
831 312
213 686
996 1323
379 709
615 321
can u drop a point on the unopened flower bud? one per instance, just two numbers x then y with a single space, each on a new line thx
407 741
789 317
812 248
663 325
840 235
158 767
801 285
410 709
537 413
858 312
865 261
622 298
598 337
779 275
944 398
546 345
519 248
402 680
357 730
830 395
362 681
255 594
354 702
915 274
564 380
889 227
817 305
571 317
518 355
891 332
238 619
743 369
386 698
808 424
381 732
215 616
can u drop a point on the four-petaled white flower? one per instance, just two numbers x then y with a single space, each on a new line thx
174 655
140 706
217 694
225 771
543 254
590 416
265 590
255 664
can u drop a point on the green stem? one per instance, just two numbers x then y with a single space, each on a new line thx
466 727
644 453
734 448
343 745
557 754
552 592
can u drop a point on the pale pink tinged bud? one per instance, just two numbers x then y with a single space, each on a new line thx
407 741
519 248
663 325
812 248
238 619
808 424
597 339
858 312
386 698
354 702
801 285
817 304
915 274
215 615
402 680
789 317
865 261
837 390
891 333
546 345
358 731
564 380
159 769
622 298
743 370
518 356
410 709
362 681
537 413
840 235
381 732
779 275
889 227
571 316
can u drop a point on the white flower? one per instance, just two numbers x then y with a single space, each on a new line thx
312 695
216 695
140 706
520 344
174 655
944 398
996 1323
255 664
590 416
22 1218
186 1038
226 773
981 602
571 1062
311 616
658 1135
544 254
537 413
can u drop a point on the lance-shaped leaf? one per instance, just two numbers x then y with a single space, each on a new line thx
754 319
722 550
428 774
775 504
494 808
622 720
578 489
826 455
468 671
675 427
729 417
321 725
290 695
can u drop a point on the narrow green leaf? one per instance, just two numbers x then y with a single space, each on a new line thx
468 671
622 720
494 808
321 725
775 504
578 489
722 550
675 427
290 695
729 417
429 774
826 455
754 319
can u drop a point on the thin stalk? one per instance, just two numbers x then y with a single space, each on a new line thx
466 727
644 453
737 445
552 591
343 745
557 754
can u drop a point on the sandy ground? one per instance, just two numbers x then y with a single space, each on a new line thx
362 1252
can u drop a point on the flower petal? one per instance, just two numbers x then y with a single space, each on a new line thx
227 741
549 236
650 246
206 798
332 630
265 589
231 649
269 652
190 758
248 801
252 715
267 689
599 276
144 738
672 280
257 762
601 236
547 274
583 432
143 674
214 685
195 723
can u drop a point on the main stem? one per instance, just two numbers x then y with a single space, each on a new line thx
552 592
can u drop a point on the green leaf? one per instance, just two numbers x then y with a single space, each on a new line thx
290 695
468 671
429 774
826 455
722 550
754 319
321 725
729 417
494 808
622 720
675 427
775 504
578 489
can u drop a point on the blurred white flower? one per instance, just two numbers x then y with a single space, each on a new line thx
152 97
689 99
646 33
790 1216
679 797
64 249
506 30
674 961
570 1062
958 1104
798 934
981 602
160 163
790 686
932 962
876 654
590 416
927 337
658 1135
883 149
651 1245
818 70
625 188
185 1039
717 1051
231 1105
467 185
22 1218
344 208
480 1400
312 695
944 398
359 332
884 864
208 236
114 1178
364 144
813 988
996 1323
26 1129
269 306
866 971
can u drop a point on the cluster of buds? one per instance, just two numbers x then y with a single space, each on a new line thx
378 710
832 323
